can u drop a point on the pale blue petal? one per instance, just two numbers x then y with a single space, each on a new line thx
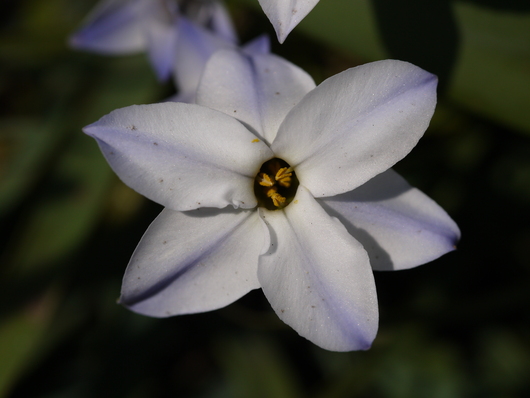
259 45
182 156
317 277
162 48
399 226
286 14
356 124
194 261
221 23
195 46
114 27
259 90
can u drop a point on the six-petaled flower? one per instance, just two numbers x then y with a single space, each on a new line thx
273 183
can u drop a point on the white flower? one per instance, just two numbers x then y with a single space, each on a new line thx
195 48
159 27
306 172
286 14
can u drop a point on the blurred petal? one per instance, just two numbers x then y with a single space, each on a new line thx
259 90
356 125
221 23
317 277
182 156
162 39
193 261
286 14
114 27
399 226
259 45
195 46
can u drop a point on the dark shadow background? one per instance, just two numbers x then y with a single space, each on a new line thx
457 327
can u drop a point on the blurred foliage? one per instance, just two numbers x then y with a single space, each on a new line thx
458 327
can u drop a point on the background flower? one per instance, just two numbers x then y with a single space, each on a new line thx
129 26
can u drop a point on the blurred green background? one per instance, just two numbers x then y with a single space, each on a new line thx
457 327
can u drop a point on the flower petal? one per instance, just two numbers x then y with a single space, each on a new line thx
162 39
317 277
356 125
114 27
221 23
190 71
194 261
182 156
195 46
399 226
286 14
259 45
257 89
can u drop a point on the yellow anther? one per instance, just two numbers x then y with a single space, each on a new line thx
283 176
275 184
276 198
265 180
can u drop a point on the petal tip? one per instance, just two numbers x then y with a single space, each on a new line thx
454 237
89 130
281 31
454 243
357 342
93 130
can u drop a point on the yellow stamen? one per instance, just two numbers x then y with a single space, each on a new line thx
283 176
265 180
276 198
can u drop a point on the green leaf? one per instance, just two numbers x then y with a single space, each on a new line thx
492 76
254 367
25 146
21 337
66 208
345 24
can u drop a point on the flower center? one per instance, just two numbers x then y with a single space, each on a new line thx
275 185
